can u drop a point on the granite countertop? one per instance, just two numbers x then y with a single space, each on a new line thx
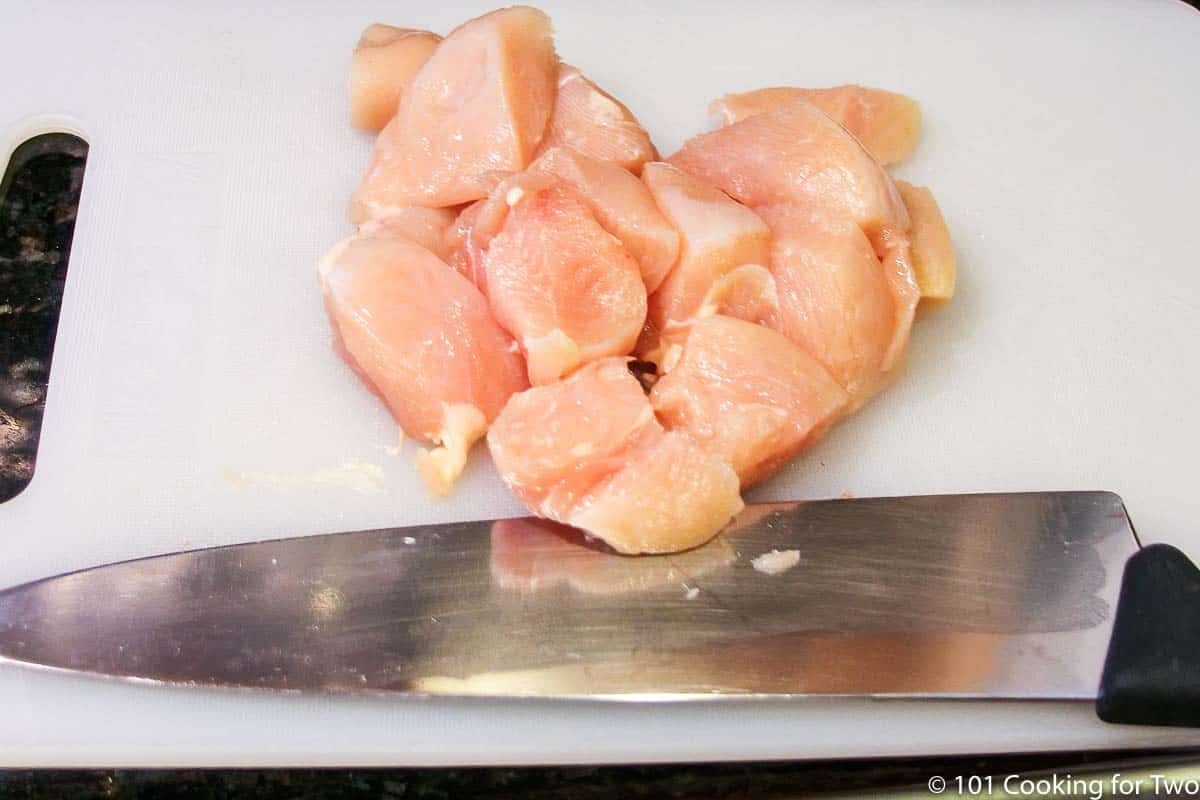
760 781
38 198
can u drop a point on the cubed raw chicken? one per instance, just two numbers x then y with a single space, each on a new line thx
421 337
617 200
622 205
717 235
933 258
473 113
589 452
465 239
424 226
557 281
834 297
517 230
888 124
797 154
797 157
382 67
590 120
748 395
747 292
672 496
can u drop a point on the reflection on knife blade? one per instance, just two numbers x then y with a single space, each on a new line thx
979 595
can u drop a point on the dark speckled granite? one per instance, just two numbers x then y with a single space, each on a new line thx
773 781
38 197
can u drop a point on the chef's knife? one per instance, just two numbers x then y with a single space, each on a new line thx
966 596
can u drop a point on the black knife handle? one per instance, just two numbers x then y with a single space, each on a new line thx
1152 671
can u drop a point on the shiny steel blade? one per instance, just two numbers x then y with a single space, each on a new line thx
1002 595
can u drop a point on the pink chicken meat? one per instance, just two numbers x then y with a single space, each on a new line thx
621 204
589 452
474 112
796 154
794 163
834 298
382 67
565 288
424 226
723 253
617 200
888 124
590 120
519 245
748 395
442 365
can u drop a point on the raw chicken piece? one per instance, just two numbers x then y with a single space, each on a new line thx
421 337
748 395
425 226
474 112
933 257
383 65
618 201
463 250
672 496
796 154
588 452
467 239
557 281
621 204
834 298
592 121
716 234
895 253
888 124
747 292
553 443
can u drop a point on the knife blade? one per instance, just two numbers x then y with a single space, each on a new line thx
972 596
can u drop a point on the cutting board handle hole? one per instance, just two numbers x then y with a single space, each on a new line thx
39 198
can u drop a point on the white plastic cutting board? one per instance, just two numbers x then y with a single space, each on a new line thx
194 392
